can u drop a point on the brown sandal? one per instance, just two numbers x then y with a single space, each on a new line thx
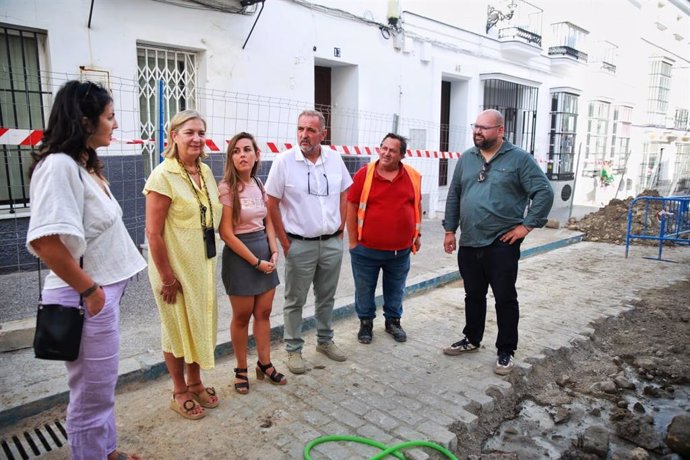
242 387
186 408
204 396
274 377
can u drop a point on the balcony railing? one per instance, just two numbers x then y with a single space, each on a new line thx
568 51
608 67
519 20
520 33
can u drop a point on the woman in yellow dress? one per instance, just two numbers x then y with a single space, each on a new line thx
182 215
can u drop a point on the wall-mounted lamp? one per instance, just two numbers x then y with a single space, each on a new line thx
393 15
493 15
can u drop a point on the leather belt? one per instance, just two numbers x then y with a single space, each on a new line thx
314 238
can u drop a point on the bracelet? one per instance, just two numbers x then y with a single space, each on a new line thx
258 262
169 285
90 290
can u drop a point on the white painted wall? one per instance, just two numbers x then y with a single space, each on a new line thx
377 72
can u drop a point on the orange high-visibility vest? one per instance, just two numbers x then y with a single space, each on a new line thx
366 188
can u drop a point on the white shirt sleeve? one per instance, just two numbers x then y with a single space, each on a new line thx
57 204
346 182
275 183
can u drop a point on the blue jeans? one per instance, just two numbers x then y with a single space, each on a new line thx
495 265
366 264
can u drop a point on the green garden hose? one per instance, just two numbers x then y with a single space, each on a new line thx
370 442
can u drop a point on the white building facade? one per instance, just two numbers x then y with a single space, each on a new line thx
600 100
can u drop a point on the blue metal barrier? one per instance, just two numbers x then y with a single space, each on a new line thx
662 218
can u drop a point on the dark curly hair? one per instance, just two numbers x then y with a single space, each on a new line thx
74 117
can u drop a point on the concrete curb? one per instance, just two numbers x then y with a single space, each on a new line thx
142 368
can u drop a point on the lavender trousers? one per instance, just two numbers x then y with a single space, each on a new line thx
92 377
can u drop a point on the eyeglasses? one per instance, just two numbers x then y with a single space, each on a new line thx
484 172
316 192
483 128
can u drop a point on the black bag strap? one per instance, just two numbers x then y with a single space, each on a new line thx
260 185
40 288
38 262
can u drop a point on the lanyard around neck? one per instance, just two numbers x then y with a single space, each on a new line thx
202 208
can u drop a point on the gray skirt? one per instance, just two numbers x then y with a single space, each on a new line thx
241 278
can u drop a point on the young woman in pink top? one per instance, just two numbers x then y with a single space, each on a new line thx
249 259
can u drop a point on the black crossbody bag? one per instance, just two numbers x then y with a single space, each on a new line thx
58 328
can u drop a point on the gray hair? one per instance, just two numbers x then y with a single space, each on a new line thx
314 113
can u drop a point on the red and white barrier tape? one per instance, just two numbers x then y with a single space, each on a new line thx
29 137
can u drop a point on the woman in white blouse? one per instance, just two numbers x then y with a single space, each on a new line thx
74 216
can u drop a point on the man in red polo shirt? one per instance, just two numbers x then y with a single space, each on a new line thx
384 215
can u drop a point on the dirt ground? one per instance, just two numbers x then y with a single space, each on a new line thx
612 397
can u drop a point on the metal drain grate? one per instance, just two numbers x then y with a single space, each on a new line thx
36 442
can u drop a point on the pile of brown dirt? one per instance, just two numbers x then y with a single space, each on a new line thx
610 223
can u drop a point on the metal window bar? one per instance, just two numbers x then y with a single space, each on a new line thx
178 69
562 136
21 106
518 104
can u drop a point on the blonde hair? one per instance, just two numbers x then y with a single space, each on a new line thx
176 122
232 177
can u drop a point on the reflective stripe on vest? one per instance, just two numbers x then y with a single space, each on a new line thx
416 179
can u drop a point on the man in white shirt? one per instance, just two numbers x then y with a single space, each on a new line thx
307 198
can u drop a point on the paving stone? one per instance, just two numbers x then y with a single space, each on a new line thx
439 434
386 391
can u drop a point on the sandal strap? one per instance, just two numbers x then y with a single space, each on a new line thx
189 408
239 371
209 390
275 375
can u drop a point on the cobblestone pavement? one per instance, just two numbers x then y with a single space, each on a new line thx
389 391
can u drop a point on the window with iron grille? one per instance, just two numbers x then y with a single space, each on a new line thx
562 135
22 99
620 138
680 121
681 173
650 167
597 132
518 104
178 70
659 89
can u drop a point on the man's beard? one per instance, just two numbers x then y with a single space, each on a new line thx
485 144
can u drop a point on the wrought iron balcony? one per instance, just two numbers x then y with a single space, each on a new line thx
518 20
521 34
608 67
568 51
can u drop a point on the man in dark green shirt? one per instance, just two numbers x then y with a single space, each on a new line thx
491 187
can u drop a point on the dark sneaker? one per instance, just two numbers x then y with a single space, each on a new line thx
366 333
394 328
504 364
460 347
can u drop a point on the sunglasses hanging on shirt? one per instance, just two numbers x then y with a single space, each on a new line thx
209 234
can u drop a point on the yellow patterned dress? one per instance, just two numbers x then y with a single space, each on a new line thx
189 326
